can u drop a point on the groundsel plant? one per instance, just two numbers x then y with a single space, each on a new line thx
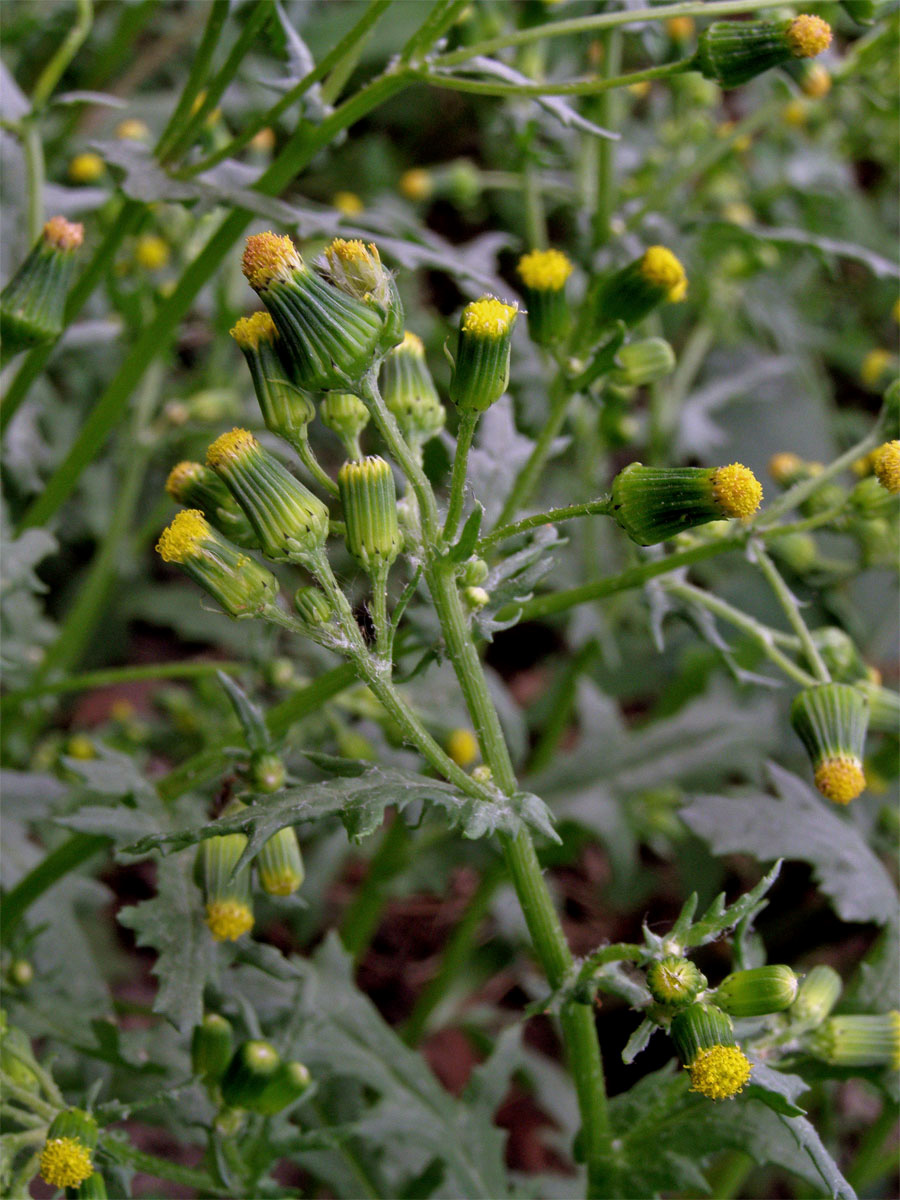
386 566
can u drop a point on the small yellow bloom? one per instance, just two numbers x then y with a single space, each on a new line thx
886 464
132 130
264 140
65 1162
151 252
250 331
268 256
875 366
840 779
348 203
86 168
737 490
816 82
489 317
720 1072
81 747
416 184
680 29
663 269
544 270
795 113
640 89
234 444
808 36
462 746
184 537
228 919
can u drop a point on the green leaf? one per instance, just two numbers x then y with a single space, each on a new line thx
717 918
250 715
360 802
465 544
799 824
172 925
776 1090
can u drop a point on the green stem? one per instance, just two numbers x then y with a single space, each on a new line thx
593 24
53 71
567 513
560 396
791 611
200 61
44 1078
729 1174
115 676
439 20
312 464
606 147
455 955
802 491
468 421
380 610
572 87
362 916
59 862
33 150
535 217
159 1168
13 1091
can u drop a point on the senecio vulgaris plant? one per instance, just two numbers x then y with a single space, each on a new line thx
331 344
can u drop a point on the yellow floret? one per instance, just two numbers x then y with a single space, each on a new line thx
250 331
663 269
132 129
234 444
180 476
264 140
65 235
81 747
737 491
348 203
412 344
489 317
874 366
720 1072
808 36
816 83
680 29
228 919
352 250
283 882
86 168
840 779
151 252
416 184
462 746
65 1162
886 464
268 256
544 270
184 537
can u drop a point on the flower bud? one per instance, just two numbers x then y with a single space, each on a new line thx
133 129
831 720
474 572
21 972
66 1156
93 1188
15 1065
704 1038
475 598
757 991
329 337
86 168
289 521
32 304
151 252
544 274
347 416
280 863
869 500
266 771
675 981
288 1084
839 653
370 512
462 746
234 580
196 486
797 551
655 503
253 1066
787 468
631 294
886 464
481 370
417 184
817 995
211 1048
286 410
313 606
732 52
884 706
356 269
229 912
640 363
867 1040
409 391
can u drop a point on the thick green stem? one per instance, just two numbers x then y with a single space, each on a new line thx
312 464
560 395
468 421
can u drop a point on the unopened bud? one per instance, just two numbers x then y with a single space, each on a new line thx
347 416
266 771
356 269
253 1065
817 995
675 981
196 486
481 368
655 503
369 500
543 274
640 363
867 1040
280 863
409 391
32 305
757 991
831 720
313 606
211 1047
286 410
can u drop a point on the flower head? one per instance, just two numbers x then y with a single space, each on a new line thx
840 779
462 746
544 270
886 464
229 919
737 490
416 184
132 129
86 168
151 252
488 317
184 538
660 267
808 36
250 331
63 234
65 1162
268 256
720 1072
348 203
235 444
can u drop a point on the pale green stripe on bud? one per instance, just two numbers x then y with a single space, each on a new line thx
757 991
369 501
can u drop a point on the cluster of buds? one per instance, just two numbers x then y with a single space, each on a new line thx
227 885
253 1076
831 720
33 302
654 503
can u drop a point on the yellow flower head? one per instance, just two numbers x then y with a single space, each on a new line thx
228 919
184 537
489 317
86 168
234 444
462 746
544 270
250 331
680 29
81 747
411 344
737 490
808 36
63 234
268 256
663 269
151 252
348 203
840 779
886 464
874 366
720 1072
816 82
282 882
181 476
416 184
133 130
65 1162
264 140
